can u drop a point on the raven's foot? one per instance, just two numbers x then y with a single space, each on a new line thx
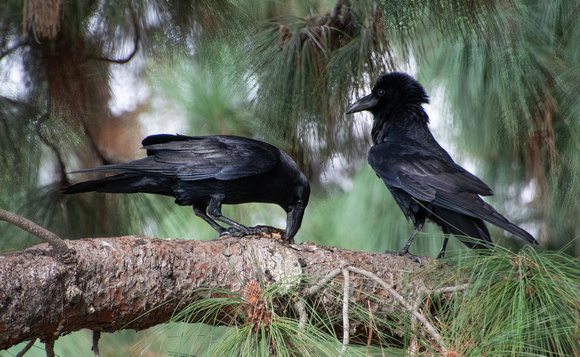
414 258
234 232
239 232
260 231
441 255
405 253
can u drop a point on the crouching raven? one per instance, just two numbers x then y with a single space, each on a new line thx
208 171
423 179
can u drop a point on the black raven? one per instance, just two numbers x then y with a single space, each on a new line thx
208 171
423 179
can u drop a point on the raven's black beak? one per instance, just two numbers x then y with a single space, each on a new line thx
365 103
293 221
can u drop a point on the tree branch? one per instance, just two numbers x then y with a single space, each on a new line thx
345 323
96 338
401 300
316 288
63 253
63 180
136 41
137 282
13 48
26 348
49 345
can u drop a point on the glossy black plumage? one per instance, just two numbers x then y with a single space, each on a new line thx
208 171
421 176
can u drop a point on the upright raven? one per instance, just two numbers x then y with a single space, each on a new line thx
423 179
208 171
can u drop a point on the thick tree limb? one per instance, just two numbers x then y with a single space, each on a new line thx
137 282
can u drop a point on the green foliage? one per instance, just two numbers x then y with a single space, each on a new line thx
267 320
304 74
512 85
213 100
523 304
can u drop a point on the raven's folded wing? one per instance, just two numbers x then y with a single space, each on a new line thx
421 173
222 157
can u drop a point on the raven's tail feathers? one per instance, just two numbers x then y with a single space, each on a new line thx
124 183
470 231
502 222
471 205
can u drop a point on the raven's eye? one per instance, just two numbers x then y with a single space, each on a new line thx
299 203
380 92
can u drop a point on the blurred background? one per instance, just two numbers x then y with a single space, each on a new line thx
83 82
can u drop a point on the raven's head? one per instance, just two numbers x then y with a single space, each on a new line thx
293 194
391 90
299 196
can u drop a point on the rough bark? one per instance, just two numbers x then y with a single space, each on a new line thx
137 282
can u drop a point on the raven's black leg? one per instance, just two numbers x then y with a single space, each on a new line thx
215 211
443 247
236 229
201 214
405 249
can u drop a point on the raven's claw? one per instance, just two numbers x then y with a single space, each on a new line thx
404 253
234 232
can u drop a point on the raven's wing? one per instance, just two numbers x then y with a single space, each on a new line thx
222 157
422 173
433 177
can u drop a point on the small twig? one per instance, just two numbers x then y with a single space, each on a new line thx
60 247
299 306
397 297
136 41
413 309
449 289
93 143
373 323
414 345
61 167
371 319
333 274
96 338
412 350
26 348
13 48
337 9
345 322
49 346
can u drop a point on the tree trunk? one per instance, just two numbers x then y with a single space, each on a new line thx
137 282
